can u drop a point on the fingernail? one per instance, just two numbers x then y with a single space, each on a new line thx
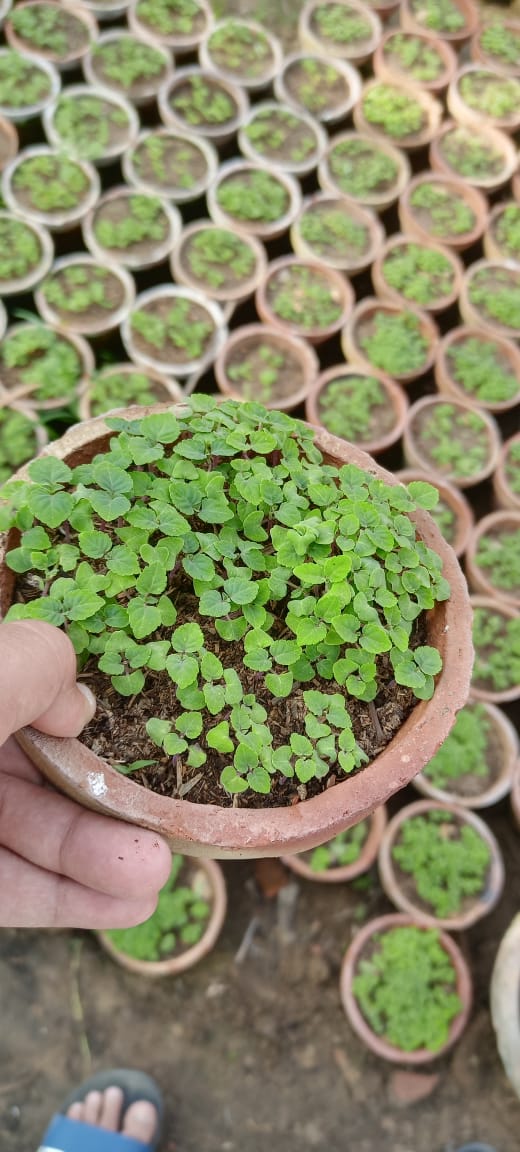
90 698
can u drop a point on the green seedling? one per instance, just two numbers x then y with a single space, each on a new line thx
470 155
478 366
456 441
496 639
218 256
419 273
79 288
491 93
362 168
447 212
17 441
332 230
447 860
341 851
496 293
507 230
129 62
340 24
202 100
394 342
23 83
498 554
439 15
170 17
171 162
276 132
420 61
49 29
253 196
356 408
88 124
20 249
51 183
464 752
119 390
393 111
498 39
186 327
303 296
143 221
179 921
43 360
239 49
317 84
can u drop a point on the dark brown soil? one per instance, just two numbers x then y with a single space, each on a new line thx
117 210
169 353
325 99
184 164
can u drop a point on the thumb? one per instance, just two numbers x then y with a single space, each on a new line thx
38 681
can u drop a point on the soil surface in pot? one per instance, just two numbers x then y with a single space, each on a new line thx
190 317
262 371
490 759
333 233
316 85
469 155
70 35
223 263
112 290
203 103
374 414
103 126
169 161
112 225
108 61
455 898
361 167
170 20
50 184
281 136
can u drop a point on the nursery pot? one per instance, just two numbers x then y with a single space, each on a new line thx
507 355
377 1044
330 104
485 690
414 18
176 964
82 29
164 389
20 199
96 321
465 112
489 53
13 382
417 221
342 873
143 253
157 299
8 142
393 407
138 169
501 280
231 288
297 374
277 280
261 64
450 151
298 150
418 451
219 132
363 320
438 302
358 49
144 89
501 757
179 39
395 881
496 248
19 113
347 255
99 154
480 579
455 501
389 68
237 832
240 173
28 280
335 172
431 113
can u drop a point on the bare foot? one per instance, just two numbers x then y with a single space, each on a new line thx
105 1110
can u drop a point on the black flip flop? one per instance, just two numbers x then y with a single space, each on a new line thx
66 1135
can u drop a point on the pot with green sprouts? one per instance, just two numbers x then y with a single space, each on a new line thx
91 123
175 165
449 211
243 51
199 101
26 253
496 639
506 478
341 234
21 438
259 591
497 44
479 95
87 296
363 168
401 113
482 369
493 557
267 364
254 199
451 20
490 297
349 854
224 264
129 65
28 86
50 188
175 330
459 442
366 408
304 297
502 239
325 89
51 31
122 386
282 138
184 927
177 24
131 228
398 341
45 367
406 989
414 58
422 273
482 156
476 764
339 28
441 864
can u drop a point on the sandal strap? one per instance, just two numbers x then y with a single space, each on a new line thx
66 1135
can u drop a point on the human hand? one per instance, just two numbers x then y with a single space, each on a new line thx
60 864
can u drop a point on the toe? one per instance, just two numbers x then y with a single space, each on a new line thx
75 1112
111 1109
140 1121
92 1107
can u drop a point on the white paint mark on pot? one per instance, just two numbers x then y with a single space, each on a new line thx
96 783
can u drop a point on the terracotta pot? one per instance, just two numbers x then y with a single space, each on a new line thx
455 501
282 158
361 320
85 325
377 1044
114 150
8 142
257 71
411 93
174 965
164 388
505 495
395 406
145 254
344 872
336 253
234 170
388 68
236 289
494 249
213 831
345 87
140 175
480 579
410 18
501 760
83 29
465 113
19 113
484 54
384 290
17 285
483 691
141 92
498 146
358 51
417 451
242 342
12 377
152 359
180 42
333 177
496 273
218 133
277 278
59 220
506 352
394 881
418 222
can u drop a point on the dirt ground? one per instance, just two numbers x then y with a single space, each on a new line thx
251 1048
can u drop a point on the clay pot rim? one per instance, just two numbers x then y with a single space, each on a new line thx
506 695
111 36
307 36
396 395
127 368
377 1044
210 830
385 292
179 43
410 442
60 219
481 904
177 195
181 272
158 251
452 496
314 335
465 114
442 372
467 9
252 84
359 213
216 133
492 249
500 484
79 10
343 873
162 291
306 353
295 168
30 280
375 200
477 578
475 200
383 70
40 107
263 229
110 97
495 136
344 68
80 345
95 328
372 303
471 312
503 783
175 965
413 141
